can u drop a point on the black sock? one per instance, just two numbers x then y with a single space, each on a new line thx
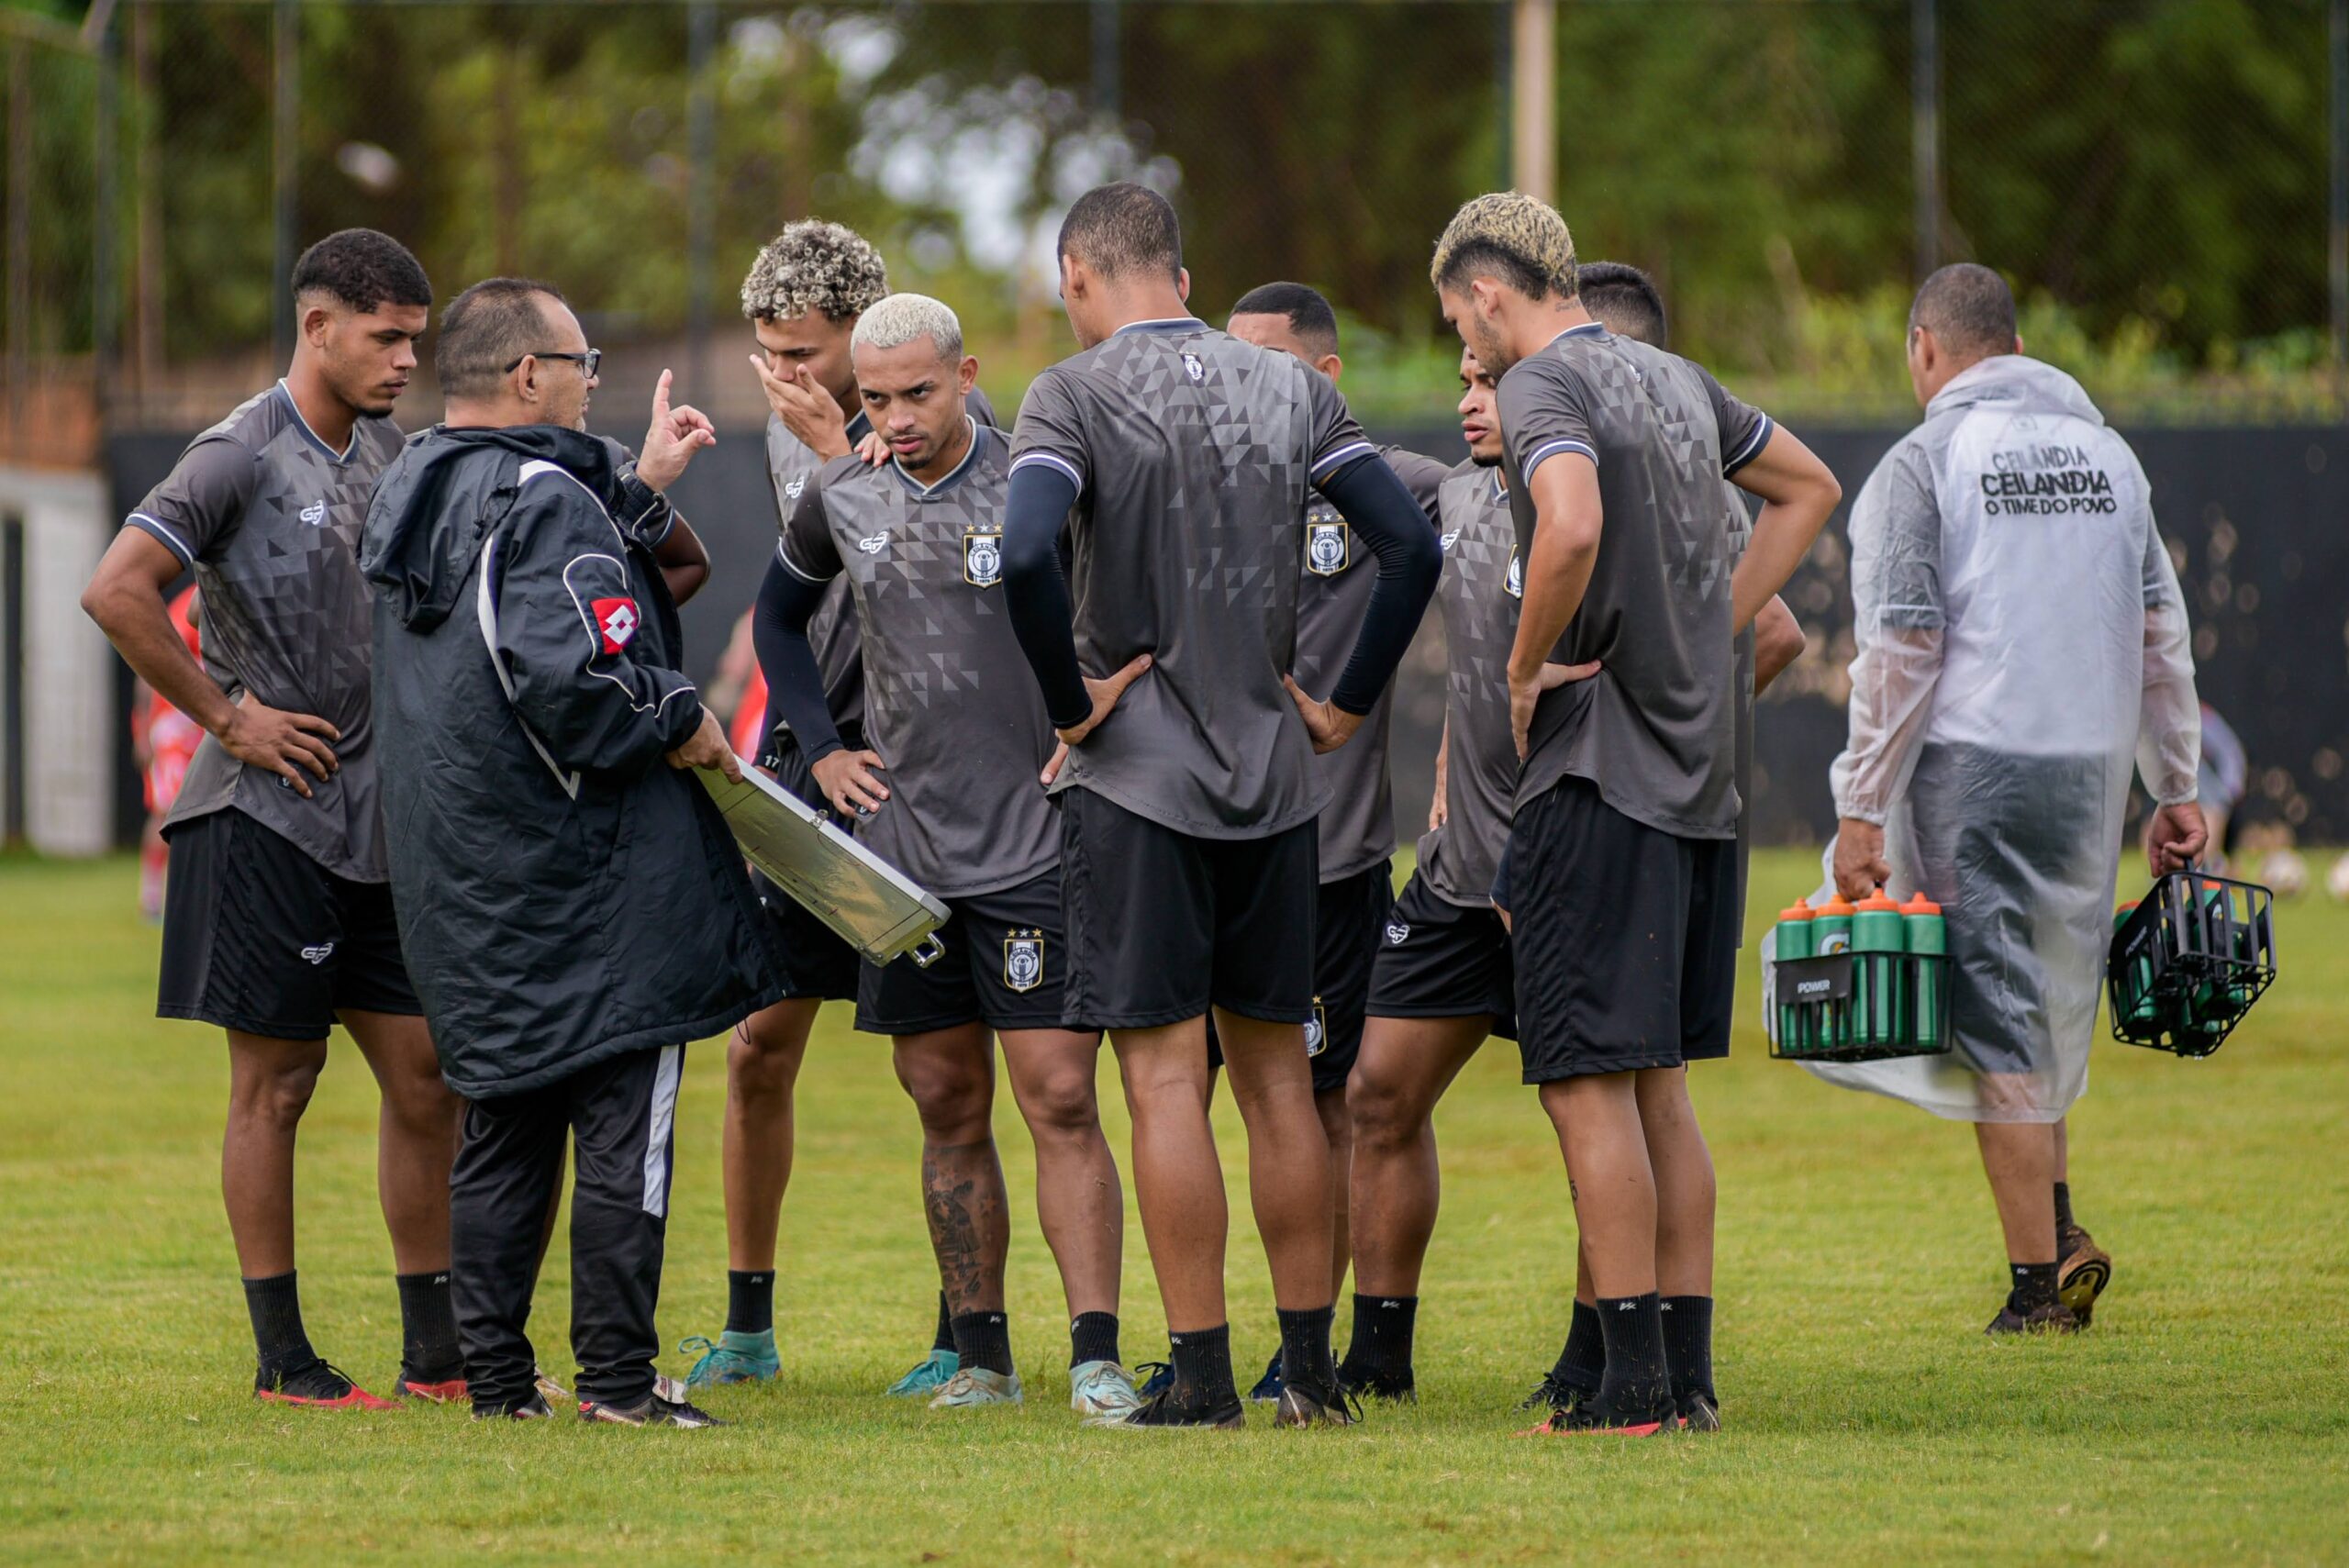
2034 1286
1203 1366
1689 1345
1381 1347
983 1340
1305 1350
945 1340
428 1350
2063 1221
1582 1365
750 1301
1092 1337
275 1306
1638 1384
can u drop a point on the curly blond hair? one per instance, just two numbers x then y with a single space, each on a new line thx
1518 239
814 265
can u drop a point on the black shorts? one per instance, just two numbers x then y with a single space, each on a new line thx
260 938
1163 925
1004 966
1349 915
1437 960
1626 938
816 960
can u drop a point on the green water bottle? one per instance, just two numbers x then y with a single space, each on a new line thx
1793 939
1877 995
1830 932
2140 988
1926 932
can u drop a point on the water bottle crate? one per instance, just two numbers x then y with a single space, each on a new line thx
2188 960
1860 1006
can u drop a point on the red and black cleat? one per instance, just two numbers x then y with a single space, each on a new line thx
316 1386
431 1390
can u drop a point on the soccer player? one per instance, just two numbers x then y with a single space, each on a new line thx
1180 459
1621 853
1355 836
2021 642
277 922
949 793
806 289
575 906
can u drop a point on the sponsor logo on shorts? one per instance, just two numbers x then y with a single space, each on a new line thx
1317 1030
318 952
315 514
616 619
1326 554
983 557
1023 961
1398 932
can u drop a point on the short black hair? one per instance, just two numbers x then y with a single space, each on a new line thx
1625 299
1307 309
1121 229
1968 307
487 327
362 269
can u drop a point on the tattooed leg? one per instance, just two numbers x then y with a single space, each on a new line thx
950 1074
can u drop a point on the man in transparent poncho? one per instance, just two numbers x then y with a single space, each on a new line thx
2020 639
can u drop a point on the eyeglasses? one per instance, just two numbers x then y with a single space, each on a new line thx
586 361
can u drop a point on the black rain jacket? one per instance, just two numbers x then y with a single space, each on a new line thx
563 895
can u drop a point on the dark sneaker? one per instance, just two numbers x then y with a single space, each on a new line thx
431 1390
1553 1394
1304 1407
1698 1413
2086 1269
2053 1318
654 1412
1157 1377
1591 1417
1268 1387
1163 1409
316 1386
1393 1389
534 1408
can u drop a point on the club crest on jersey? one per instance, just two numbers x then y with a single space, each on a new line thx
615 620
315 514
1515 582
1194 368
874 544
983 557
1326 552
1023 961
1317 1030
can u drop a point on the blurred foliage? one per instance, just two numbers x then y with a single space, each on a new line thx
2150 173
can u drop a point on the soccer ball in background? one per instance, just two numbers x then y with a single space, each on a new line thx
2285 874
2336 881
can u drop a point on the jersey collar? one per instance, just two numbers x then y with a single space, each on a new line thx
858 427
924 492
312 435
1582 329
1164 324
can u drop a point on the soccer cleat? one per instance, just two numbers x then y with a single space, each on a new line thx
1402 1390
1163 1409
1700 1413
735 1357
1268 1387
654 1412
929 1374
1303 1406
534 1408
316 1386
1552 1393
554 1393
1161 1378
974 1386
2053 1318
1590 1418
433 1391
1102 1388
2086 1269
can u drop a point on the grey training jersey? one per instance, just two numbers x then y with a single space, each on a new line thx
792 467
1193 454
1655 730
950 704
1460 859
1357 828
268 515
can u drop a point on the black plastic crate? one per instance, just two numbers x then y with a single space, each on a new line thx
1861 1007
2188 962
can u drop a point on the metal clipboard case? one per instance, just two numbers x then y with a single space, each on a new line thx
874 908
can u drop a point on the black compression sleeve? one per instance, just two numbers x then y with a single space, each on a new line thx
1035 589
1411 559
795 685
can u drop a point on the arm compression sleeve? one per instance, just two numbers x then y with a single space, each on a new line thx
795 685
1035 589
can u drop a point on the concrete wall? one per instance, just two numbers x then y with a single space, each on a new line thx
70 715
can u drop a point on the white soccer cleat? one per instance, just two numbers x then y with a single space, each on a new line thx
975 1385
1102 1389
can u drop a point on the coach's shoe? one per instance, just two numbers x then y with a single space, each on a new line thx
554 1393
1700 1412
2086 1269
735 1357
929 1374
316 1386
1268 1387
655 1412
1303 1406
431 1390
534 1408
2053 1318
1160 1379
1163 1409
1102 1388
974 1386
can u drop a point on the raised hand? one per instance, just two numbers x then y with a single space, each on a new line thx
672 437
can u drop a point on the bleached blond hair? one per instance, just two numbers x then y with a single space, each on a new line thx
814 266
900 318
1511 238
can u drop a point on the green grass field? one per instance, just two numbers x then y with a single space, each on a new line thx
2205 1418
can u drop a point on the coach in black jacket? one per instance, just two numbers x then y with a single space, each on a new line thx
571 906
